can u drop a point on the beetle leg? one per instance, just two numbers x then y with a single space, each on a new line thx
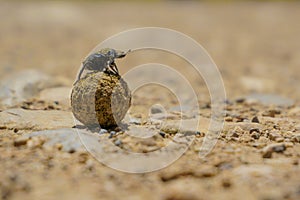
80 73
114 68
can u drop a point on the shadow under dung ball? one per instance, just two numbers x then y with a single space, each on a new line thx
100 99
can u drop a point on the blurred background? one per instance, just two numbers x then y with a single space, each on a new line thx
256 47
255 44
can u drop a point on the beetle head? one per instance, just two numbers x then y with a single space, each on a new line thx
111 53
121 54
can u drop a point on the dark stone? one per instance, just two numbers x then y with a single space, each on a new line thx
255 119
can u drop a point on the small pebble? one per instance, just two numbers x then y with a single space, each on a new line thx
269 113
20 141
162 134
118 143
254 130
112 133
58 146
226 183
240 100
199 133
156 109
3 127
295 162
236 132
103 131
228 119
279 139
255 120
72 150
83 157
273 135
255 135
268 150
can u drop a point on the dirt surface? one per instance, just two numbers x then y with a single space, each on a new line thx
256 47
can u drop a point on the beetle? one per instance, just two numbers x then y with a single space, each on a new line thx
103 60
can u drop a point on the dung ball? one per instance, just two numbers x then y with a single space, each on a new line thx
100 99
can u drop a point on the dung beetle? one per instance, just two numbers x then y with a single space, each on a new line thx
103 60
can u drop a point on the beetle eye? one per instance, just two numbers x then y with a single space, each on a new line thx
111 53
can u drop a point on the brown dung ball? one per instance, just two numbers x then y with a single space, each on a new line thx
100 99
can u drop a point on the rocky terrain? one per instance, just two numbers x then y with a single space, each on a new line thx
45 151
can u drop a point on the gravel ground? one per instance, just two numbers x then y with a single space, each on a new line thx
256 47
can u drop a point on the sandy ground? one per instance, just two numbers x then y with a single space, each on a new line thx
256 47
